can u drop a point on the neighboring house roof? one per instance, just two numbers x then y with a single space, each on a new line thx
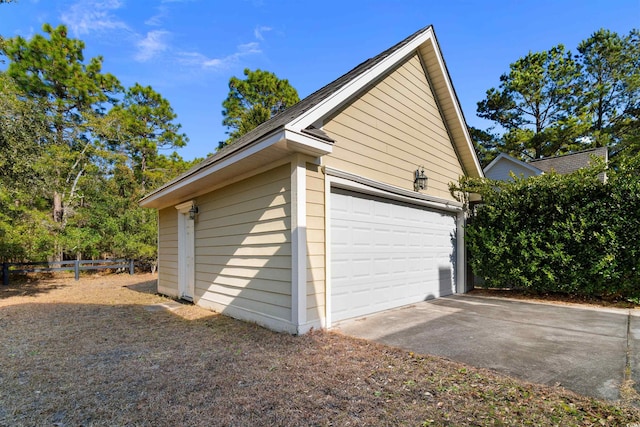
570 162
501 166
298 128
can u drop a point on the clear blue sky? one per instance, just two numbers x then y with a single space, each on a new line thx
188 49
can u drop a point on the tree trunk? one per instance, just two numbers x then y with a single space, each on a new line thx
143 171
57 218
57 207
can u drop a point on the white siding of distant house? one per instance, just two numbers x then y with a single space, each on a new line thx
501 170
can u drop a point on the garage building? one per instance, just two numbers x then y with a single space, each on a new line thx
336 208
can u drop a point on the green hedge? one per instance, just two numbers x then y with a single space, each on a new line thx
558 233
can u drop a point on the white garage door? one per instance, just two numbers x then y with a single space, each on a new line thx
386 254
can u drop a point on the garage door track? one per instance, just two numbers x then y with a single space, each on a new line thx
584 349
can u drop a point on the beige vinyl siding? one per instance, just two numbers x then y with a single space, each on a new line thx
449 108
315 244
168 251
243 246
393 128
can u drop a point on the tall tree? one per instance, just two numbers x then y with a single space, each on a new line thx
23 230
486 144
134 131
612 83
52 71
536 105
22 128
140 126
60 147
254 100
628 129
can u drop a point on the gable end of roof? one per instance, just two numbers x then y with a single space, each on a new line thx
300 117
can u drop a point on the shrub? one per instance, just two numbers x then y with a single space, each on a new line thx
558 233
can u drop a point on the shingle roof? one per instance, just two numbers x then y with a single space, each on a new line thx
569 162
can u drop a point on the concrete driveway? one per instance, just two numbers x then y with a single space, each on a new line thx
583 349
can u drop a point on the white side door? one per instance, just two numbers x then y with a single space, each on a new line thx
186 252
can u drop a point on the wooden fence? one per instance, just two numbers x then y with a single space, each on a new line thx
76 266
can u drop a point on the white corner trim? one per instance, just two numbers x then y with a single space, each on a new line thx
461 258
327 251
299 240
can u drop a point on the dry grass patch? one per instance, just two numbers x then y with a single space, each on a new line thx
99 352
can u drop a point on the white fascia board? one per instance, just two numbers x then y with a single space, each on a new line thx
216 166
336 99
306 144
327 106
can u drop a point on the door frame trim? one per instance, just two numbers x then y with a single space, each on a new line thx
186 279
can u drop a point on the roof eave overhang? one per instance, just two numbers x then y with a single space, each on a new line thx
305 144
271 147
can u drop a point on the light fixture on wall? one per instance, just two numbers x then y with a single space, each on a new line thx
193 211
420 179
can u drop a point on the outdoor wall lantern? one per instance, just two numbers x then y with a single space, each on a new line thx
420 179
192 212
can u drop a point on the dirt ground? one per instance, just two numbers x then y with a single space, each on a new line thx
107 350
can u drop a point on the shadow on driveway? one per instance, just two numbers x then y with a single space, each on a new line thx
581 349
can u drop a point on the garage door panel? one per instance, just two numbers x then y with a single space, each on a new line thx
360 238
361 268
340 270
387 254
